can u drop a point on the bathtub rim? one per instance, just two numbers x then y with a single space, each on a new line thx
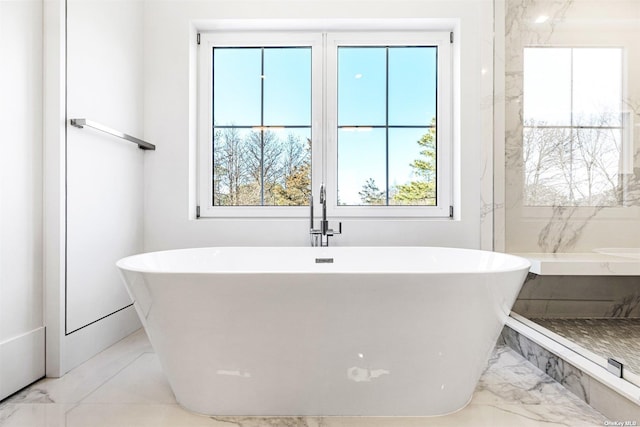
127 263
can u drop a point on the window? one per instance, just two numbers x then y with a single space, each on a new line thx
386 125
574 134
369 114
261 126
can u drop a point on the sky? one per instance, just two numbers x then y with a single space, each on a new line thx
363 100
557 81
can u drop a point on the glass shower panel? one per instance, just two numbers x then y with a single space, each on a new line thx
571 85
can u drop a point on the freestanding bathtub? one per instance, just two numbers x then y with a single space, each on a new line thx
386 331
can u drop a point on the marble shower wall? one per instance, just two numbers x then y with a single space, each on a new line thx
581 384
570 23
579 296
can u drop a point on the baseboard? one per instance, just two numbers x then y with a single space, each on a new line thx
85 343
21 361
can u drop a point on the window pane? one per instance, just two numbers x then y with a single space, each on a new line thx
287 86
412 85
361 86
547 88
547 160
254 164
596 162
288 180
236 179
245 160
597 86
412 166
361 167
565 167
236 86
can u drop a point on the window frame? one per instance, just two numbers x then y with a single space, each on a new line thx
444 111
205 116
324 119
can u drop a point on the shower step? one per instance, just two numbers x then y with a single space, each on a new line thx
616 398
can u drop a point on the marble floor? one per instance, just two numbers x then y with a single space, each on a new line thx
124 386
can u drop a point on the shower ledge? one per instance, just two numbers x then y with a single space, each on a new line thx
581 264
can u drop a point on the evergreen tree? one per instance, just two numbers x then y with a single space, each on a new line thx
371 194
296 187
422 190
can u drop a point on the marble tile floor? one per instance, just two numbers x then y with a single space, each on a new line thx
124 386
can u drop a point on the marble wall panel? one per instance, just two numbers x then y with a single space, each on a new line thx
589 390
569 23
579 296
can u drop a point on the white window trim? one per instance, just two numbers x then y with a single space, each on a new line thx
324 135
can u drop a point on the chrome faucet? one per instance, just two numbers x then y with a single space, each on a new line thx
320 237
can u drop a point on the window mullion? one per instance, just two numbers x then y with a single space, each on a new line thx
326 130
572 132
262 126
386 121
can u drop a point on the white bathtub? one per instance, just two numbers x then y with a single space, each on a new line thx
323 331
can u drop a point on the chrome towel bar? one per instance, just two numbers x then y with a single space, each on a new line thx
80 123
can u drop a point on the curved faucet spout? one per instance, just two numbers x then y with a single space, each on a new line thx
324 224
324 232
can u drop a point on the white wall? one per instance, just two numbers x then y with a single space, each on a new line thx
170 28
104 174
21 287
94 180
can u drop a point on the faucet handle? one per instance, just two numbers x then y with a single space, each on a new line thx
332 232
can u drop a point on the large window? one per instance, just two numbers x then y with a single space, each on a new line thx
367 114
574 134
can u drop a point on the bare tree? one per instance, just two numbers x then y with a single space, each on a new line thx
229 171
540 145
294 154
571 166
264 152
598 159
259 168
